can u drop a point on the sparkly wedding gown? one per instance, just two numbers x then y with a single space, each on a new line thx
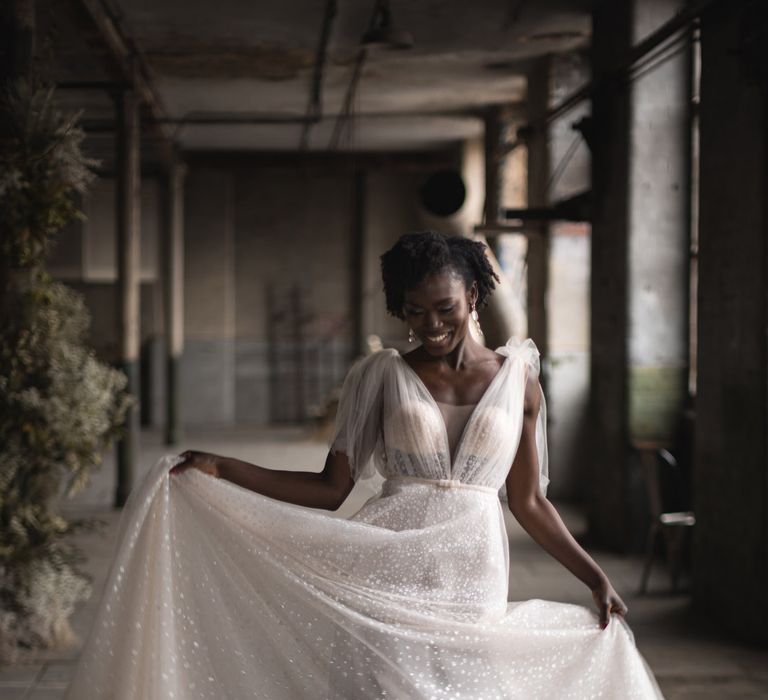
218 592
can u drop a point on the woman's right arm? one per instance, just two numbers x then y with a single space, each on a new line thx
357 429
326 489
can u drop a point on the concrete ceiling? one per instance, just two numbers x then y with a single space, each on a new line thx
238 58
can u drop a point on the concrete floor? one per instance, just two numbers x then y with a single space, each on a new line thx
690 658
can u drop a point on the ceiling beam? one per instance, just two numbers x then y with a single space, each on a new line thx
418 161
99 126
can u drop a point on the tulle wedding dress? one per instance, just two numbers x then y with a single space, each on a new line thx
218 592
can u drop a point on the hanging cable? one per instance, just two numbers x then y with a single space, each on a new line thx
345 115
315 102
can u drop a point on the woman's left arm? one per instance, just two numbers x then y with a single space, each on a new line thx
542 522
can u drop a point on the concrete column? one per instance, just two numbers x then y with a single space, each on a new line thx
730 574
659 224
494 163
497 320
538 176
128 210
639 262
174 300
608 424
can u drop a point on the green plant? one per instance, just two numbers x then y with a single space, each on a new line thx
59 406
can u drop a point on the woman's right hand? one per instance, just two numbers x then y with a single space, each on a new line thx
197 460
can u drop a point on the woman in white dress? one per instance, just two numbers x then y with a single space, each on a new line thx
231 582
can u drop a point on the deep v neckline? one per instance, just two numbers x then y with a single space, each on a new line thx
472 415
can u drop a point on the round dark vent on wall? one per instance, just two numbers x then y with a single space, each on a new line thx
443 193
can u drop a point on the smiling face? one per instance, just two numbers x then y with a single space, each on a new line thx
438 310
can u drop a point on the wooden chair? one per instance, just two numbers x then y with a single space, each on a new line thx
661 477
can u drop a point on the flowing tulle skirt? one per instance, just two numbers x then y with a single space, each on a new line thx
217 592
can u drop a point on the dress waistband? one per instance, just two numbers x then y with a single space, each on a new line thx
441 483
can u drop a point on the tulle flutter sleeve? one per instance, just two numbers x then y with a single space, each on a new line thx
529 353
358 419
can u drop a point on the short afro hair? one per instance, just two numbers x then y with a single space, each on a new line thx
415 256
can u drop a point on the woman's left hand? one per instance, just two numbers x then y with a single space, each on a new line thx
192 459
608 601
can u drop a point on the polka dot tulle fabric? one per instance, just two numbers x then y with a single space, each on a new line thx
219 593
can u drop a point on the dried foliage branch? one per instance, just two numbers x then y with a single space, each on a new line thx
60 407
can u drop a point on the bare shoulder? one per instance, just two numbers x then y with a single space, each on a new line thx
487 364
486 361
496 358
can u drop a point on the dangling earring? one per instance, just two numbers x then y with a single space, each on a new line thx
476 319
411 335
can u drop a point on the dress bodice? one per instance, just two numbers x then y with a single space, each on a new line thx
386 413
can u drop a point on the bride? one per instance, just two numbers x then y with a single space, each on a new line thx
230 581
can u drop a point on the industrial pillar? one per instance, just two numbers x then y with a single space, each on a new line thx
640 238
494 143
538 232
730 571
608 420
174 299
128 211
498 318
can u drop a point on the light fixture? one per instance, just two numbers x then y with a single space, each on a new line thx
381 33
